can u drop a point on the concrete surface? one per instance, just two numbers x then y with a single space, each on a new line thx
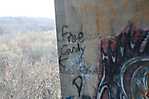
80 26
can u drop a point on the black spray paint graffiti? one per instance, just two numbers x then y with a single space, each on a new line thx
115 52
71 44
74 40
72 37
78 82
61 59
66 50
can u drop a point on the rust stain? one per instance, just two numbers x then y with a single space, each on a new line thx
114 13
146 14
126 2
145 10
142 13
102 23
102 20
88 8
98 16
110 5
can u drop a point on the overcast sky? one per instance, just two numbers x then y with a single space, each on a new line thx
29 8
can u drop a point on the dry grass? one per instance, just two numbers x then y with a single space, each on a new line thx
28 66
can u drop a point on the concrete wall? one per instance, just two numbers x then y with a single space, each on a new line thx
81 24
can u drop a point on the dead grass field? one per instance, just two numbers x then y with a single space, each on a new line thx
28 66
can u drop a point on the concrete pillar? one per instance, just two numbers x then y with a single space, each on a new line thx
81 24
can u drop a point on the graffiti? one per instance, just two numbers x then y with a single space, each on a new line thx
123 60
72 37
69 97
73 41
78 82
61 59
82 97
138 82
71 49
115 52
66 50
86 97
81 50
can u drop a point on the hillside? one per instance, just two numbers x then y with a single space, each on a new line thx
25 24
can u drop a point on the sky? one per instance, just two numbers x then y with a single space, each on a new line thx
28 8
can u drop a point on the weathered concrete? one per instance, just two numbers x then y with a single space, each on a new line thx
80 26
